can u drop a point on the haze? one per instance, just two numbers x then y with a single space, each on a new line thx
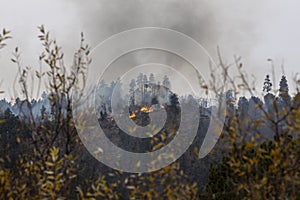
256 30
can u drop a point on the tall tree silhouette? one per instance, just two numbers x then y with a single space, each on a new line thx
284 91
152 82
166 82
151 79
145 87
139 91
267 84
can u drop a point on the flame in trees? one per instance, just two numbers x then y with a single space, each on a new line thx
133 115
144 109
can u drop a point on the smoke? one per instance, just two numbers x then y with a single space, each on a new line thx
210 23
104 18
256 30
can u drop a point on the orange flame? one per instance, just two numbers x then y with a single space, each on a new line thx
133 115
146 109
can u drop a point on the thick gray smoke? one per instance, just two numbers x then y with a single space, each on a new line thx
255 30
107 17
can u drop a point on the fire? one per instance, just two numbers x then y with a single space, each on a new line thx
133 115
146 109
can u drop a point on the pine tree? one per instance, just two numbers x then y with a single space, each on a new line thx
166 82
167 86
145 87
174 102
152 83
284 91
243 104
140 88
283 87
151 79
44 96
102 84
267 84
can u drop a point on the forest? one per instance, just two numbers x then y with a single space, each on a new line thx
42 156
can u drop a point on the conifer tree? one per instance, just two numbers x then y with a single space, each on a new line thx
267 84
283 87
166 82
151 79
284 90
152 82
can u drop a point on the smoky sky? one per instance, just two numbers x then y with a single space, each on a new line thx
255 30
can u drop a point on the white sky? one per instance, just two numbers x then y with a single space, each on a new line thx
256 30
